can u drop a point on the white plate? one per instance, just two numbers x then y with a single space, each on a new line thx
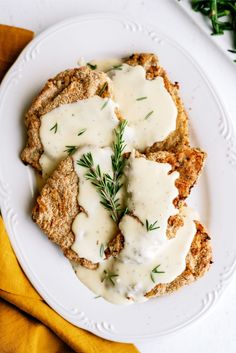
97 36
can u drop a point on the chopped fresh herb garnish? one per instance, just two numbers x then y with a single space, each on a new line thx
103 89
232 51
141 98
81 132
54 128
216 9
98 296
149 114
152 226
108 276
70 149
101 250
107 185
105 104
91 66
154 271
117 67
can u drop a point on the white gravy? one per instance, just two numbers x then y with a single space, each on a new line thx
146 105
88 121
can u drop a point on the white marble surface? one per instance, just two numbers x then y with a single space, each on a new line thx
216 332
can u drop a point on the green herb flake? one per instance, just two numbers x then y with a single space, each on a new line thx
117 67
155 271
141 98
54 128
105 104
148 115
108 276
150 226
103 89
91 66
81 132
101 251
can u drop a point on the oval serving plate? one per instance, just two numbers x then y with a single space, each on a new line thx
58 48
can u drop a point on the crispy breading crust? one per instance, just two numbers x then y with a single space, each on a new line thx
57 207
180 137
67 87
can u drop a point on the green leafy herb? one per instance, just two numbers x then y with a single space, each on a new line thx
98 296
106 185
54 128
105 104
115 67
232 51
101 250
102 89
152 226
141 98
91 66
148 115
70 149
108 276
81 132
155 271
216 9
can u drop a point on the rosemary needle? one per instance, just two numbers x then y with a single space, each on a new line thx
105 104
148 115
54 128
91 66
81 132
155 271
150 226
141 98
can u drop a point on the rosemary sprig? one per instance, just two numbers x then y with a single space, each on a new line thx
118 161
154 271
81 132
148 115
105 104
54 128
106 185
150 226
101 251
91 66
141 98
102 89
70 150
108 276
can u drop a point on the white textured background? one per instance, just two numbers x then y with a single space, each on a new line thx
215 333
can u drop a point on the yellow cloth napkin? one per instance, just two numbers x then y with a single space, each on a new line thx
27 323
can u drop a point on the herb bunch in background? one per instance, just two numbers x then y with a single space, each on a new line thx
222 14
